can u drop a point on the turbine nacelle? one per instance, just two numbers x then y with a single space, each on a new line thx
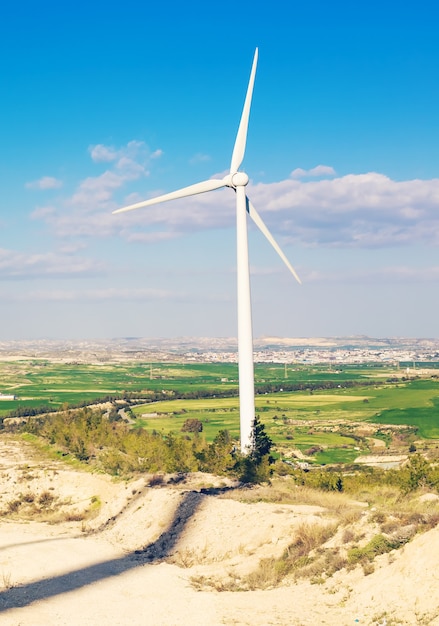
238 179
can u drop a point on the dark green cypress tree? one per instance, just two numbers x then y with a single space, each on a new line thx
261 442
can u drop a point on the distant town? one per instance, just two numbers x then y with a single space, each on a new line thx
336 350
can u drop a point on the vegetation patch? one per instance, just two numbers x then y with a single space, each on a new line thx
379 544
46 506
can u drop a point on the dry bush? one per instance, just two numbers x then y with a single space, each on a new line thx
406 515
13 506
298 557
378 517
269 573
75 516
187 557
7 580
47 507
157 480
368 568
308 537
46 499
349 515
28 497
322 566
349 535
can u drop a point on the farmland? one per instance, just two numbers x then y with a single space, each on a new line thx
335 425
44 383
313 412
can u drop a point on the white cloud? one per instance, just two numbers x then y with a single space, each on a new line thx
102 154
384 275
151 237
96 295
97 191
134 149
199 158
46 182
265 271
356 210
14 264
43 213
359 210
316 172
87 212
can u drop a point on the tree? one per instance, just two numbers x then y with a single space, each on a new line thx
192 425
218 456
261 443
418 473
255 467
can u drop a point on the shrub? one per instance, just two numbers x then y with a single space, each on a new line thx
261 443
192 425
377 545
313 450
46 499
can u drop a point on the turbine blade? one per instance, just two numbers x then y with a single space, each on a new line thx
192 190
260 224
241 137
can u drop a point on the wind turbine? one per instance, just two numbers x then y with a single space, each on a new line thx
237 181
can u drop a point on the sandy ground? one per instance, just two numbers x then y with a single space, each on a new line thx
132 563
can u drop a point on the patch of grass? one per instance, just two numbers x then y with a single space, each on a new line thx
380 544
298 559
423 418
286 491
336 455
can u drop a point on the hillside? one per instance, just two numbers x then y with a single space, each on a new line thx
80 548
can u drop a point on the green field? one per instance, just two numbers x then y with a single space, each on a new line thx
331 422
38 382
42 383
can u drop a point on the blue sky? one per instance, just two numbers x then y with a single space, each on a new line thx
108 103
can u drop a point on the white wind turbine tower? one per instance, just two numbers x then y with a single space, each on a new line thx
237 181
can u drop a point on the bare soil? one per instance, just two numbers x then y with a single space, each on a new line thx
100 551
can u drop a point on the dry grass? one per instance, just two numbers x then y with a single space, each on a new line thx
7 580
352 533
299 559
47 507
231 583
404 516
189 557
285 491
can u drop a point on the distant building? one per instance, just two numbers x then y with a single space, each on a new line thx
7 397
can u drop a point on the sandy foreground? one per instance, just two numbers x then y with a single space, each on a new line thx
134 562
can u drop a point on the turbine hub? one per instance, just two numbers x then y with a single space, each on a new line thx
239 179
